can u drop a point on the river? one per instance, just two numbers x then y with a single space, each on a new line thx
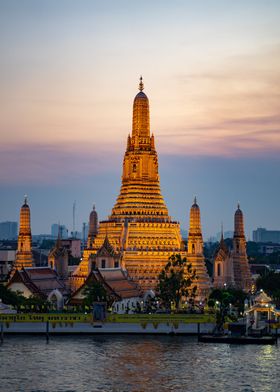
135 364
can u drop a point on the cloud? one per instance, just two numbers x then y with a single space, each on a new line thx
232 108
53 164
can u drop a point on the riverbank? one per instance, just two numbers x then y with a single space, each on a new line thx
108 328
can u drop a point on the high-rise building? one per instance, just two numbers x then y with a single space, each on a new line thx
57 227
139 226
8 230
24 252
264 235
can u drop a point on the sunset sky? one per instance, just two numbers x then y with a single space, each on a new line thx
69 71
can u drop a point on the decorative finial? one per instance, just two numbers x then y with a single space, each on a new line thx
194 201
25 199
238 206
141 84
93 207
222 231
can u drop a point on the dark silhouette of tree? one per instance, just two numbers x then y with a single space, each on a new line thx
270 283
95 292
176 281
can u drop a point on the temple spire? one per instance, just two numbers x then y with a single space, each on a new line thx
141 116
24 248
141 84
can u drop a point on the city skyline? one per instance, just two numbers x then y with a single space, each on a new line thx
70 72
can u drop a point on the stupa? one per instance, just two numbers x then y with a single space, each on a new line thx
139 226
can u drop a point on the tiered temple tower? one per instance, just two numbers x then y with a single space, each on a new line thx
24 252
241 269
195 253
93 227
139 226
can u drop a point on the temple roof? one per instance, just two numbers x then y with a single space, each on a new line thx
39 280
120 283
141 95
106 248
263 298
115 282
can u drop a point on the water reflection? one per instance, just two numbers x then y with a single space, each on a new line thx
135 364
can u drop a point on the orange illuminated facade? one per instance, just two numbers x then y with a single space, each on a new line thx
24 251
139 226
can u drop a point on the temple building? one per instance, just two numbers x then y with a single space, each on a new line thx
93 227
195 253
58 259
223 268
231 268
139 227
24 249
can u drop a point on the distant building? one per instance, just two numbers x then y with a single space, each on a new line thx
225 234
263 235
8 230
269 249
73 245
7 259
62 228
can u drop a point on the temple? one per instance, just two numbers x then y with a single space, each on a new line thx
24 256
231 267
139 227
195 253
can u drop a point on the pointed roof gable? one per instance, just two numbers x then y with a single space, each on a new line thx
106 249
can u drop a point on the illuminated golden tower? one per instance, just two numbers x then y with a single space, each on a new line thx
24 253
195 253
139 226
241 269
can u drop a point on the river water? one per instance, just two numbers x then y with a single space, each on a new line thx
135 364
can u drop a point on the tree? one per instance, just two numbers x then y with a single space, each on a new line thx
94 292
9 297
225 298
270 283
176 281
229 296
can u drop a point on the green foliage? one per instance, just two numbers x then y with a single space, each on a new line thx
94 292
271 285
225 299
9 297
229 296
18 301
175 281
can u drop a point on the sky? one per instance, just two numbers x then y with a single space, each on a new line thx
69 72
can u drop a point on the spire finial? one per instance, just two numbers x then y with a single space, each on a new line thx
222 231
194 200
238 206
93 207
141 84
25 199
